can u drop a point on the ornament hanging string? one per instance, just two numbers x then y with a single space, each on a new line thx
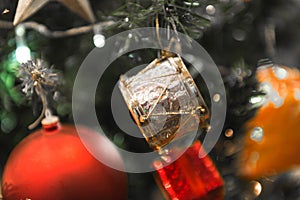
270 39
45 110
165 51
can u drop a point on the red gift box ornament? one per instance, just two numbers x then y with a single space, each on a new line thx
190 177
167 106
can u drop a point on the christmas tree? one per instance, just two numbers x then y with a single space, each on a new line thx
239 91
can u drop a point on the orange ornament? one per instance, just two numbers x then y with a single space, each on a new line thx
273 134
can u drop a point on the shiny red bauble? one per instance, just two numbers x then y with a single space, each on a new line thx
52 163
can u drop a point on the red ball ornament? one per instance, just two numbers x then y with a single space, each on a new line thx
52 163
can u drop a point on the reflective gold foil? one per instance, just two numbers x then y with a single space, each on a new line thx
164 101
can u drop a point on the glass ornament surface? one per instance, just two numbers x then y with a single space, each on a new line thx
52 163
164 101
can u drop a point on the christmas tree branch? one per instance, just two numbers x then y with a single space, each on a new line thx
6 24
42 29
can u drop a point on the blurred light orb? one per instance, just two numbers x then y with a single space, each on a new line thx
229 133
280 72
99 40
257 188
210 9
257 134
256 99
216 97
20 30
23 54
191 3
239 35
297 94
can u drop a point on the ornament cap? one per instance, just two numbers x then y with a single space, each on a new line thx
50 122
